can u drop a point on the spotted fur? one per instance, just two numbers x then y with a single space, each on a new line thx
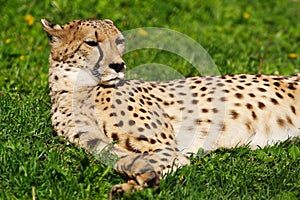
152 126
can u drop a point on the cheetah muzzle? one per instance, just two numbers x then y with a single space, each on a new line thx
148 129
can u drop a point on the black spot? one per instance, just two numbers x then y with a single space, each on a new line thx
114 136
278 95
142 102
234 114
143 110
142 138
274 101
289 120
166 125
262 89
291 96
157 150
163 135
120 124
180 102
104 129
152 161
204 110
194 101
113 114
179 86
251 95
223 99
248 125
145 153
291 87
118 93
149 103
239 95
222 127
215 110
152 141
147 126
261 105
131 99
131 122
198 121
118 101
130 108
280 122
240 87
153 125
293 109
254 115
249 106
203 88
167 154
161 89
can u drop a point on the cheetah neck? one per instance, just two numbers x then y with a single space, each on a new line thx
68 78
71 91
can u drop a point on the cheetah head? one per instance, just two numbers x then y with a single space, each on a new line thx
94 46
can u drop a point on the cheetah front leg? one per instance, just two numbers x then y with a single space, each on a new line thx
146 169
139 172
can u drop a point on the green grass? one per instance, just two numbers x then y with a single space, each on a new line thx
33 160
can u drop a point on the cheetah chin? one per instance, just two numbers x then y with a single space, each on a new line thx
112 80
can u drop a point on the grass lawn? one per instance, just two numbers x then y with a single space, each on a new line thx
241 37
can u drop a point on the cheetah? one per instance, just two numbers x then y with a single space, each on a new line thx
149 128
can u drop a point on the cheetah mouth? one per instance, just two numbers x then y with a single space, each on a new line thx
112 80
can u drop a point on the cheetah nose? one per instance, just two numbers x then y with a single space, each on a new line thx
118 67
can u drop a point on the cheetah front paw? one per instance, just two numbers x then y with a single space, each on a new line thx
118 191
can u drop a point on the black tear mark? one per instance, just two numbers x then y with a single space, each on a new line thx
96 35
97 65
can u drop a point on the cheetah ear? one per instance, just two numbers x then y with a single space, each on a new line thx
108 21
54 31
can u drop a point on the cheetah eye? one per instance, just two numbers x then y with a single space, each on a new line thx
91 43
